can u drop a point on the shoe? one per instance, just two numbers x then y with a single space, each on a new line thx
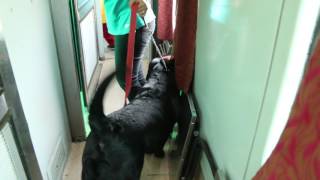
111 47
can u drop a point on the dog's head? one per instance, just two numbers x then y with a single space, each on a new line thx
160 65
157 65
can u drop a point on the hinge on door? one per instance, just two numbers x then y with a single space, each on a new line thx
3 106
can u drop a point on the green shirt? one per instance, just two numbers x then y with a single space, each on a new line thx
118 17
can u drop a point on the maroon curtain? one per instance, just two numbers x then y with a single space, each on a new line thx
184 42
164 25
297 155
108 37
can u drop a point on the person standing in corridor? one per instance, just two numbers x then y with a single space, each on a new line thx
118 14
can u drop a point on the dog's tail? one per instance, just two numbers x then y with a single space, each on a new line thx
96 107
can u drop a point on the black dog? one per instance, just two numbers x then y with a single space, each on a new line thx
116 146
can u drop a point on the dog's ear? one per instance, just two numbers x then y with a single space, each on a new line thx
154 62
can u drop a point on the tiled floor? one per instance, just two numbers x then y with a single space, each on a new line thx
154 168
161 169
74 166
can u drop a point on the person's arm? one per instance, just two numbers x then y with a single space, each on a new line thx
142 9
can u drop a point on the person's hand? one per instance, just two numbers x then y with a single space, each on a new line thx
142 7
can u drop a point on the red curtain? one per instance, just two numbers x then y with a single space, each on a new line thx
164 24
185 41
108 37
297 155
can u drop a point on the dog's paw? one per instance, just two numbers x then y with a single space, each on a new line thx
159 154
148 152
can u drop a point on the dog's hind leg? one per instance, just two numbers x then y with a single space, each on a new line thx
162 141
159 153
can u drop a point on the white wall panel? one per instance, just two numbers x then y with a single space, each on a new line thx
291 53
235 43
27 29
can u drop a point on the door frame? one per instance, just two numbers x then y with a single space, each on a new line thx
66 17
82 11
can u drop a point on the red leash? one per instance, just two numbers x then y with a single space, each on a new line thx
130 50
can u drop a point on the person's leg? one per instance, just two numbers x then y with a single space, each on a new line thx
143 36
121 42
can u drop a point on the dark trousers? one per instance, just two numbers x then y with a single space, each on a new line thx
143 36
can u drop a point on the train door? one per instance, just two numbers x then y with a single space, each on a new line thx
78 51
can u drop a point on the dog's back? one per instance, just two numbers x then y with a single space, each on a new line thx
152 114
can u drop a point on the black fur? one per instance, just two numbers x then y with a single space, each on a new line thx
111 157
115 148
